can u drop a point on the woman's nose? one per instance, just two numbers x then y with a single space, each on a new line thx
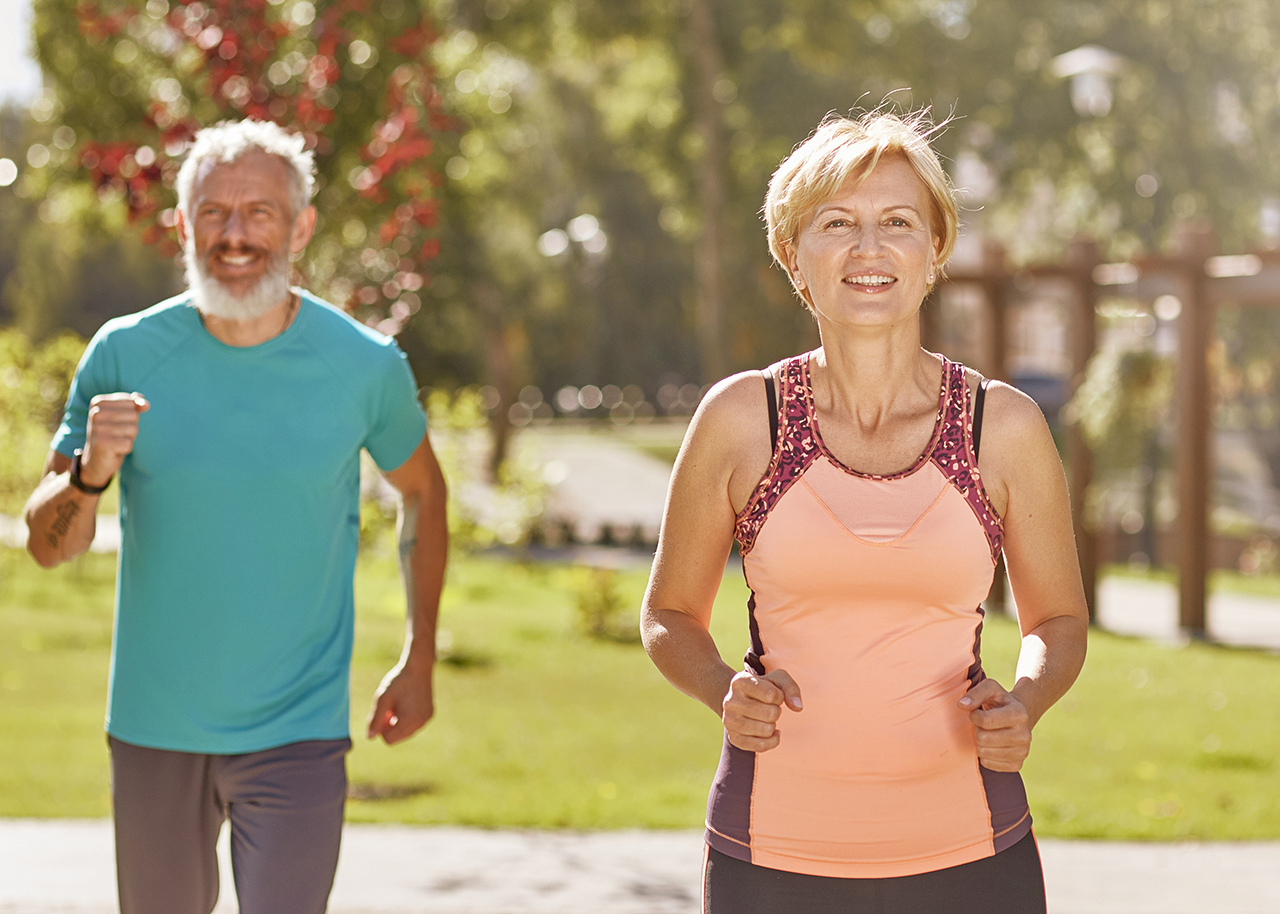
864 238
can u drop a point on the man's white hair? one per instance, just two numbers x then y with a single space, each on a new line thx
229 140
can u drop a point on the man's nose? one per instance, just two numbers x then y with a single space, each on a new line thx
233 230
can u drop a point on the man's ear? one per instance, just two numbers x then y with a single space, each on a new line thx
303 228
181 224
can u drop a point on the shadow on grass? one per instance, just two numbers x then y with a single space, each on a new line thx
371 792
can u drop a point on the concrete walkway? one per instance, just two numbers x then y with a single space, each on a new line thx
1149 609
66 868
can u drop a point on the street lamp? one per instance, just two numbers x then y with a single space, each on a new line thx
1090 69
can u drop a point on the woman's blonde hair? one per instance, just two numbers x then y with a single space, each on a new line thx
843 146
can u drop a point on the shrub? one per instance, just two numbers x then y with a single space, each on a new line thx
34 380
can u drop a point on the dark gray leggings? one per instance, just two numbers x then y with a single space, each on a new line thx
285 806
1010 882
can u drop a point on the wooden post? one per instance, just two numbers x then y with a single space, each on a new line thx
1082 258
995 287
1195 244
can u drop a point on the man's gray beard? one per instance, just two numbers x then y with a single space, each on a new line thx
214 299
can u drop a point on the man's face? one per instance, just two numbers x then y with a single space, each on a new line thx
239 236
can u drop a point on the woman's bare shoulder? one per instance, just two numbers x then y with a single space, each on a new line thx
729 436
1018 451
732 409
1011 412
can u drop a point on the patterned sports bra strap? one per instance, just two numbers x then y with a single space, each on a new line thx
955 456
795 448
797 399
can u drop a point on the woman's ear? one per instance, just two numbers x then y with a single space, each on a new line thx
793 265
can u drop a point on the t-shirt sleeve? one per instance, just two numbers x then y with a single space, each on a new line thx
398 420
89 381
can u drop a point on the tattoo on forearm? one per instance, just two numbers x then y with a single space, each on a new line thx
66 514
407 545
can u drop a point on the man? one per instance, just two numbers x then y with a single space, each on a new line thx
234 415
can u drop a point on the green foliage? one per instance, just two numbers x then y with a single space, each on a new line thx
602 611
34 380
68 257
1242 366
482 511
1125 409
592 108
605 109
132 81
1125 395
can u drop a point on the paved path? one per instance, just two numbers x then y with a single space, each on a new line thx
1148 609
66 868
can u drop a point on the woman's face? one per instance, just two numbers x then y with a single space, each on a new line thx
867 256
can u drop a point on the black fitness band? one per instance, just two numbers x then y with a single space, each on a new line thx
80 483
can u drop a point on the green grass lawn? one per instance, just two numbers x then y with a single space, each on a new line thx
540 725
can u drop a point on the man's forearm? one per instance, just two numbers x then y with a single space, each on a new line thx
423 549
61 520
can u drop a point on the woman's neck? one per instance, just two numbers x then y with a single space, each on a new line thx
867 377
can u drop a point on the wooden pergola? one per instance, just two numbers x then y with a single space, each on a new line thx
1201 281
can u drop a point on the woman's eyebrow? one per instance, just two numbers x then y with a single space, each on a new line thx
825 208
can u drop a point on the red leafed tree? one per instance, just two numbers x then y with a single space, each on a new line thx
135 80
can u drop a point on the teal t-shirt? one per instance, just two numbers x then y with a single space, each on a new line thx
239 515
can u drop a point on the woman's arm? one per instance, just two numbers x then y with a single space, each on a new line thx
725 453
1023 475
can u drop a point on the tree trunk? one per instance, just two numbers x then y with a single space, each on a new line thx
708 69
501 374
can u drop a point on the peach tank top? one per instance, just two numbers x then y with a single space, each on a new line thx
867 590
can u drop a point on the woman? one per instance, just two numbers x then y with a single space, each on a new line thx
869 764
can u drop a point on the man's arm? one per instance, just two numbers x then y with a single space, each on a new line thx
61 518
403 703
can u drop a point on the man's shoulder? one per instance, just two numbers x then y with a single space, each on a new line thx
333 327
171 316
